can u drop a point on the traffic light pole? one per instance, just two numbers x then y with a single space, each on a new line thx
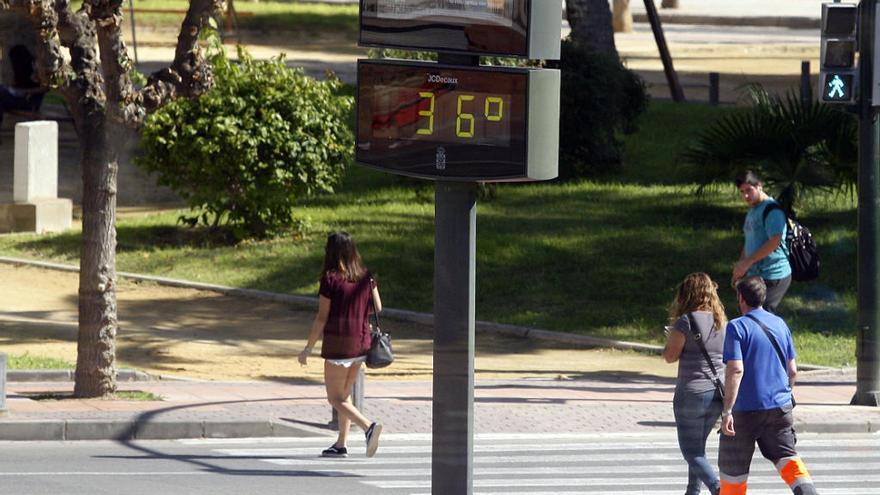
868 273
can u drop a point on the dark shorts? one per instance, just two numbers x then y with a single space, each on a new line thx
772 430
776 290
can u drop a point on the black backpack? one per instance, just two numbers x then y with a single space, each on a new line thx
803 256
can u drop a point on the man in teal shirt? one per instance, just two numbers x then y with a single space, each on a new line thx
764 253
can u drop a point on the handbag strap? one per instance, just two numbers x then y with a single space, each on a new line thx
373 305
698 338
773 341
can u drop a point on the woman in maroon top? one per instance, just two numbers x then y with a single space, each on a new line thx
347 288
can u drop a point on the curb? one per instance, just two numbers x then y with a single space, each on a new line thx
837 428
128 430
67 375
791 22
122 430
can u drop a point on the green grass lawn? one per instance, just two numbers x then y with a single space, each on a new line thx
264 15
28 362
594 258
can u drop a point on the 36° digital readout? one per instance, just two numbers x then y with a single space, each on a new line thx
440 114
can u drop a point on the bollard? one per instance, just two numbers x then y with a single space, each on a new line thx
36 206
714 83
806 87
357 398
3 411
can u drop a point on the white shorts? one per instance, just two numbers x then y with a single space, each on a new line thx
346 363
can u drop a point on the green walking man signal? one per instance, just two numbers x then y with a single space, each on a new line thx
838 88
838 63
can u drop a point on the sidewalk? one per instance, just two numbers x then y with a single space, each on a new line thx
598 403
798 14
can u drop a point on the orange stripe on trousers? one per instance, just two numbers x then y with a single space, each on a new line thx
728 488
793 470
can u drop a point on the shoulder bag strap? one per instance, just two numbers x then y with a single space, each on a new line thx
772 341
373 306
778 352
769 208
698 338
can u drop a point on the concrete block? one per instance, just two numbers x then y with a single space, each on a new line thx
169 430
87 429
42 215
238 429
31 430
36 161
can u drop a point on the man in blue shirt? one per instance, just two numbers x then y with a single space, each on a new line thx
760 373
764 253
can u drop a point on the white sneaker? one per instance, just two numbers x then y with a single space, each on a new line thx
372 435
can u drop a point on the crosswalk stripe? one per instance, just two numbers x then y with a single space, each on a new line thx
647 482
537 464
622 455
675 470
579 463
596 441
660 491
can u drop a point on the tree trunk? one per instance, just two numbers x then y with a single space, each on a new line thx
106 108
622 16
96 348
590 22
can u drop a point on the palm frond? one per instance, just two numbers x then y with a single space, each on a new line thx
795 146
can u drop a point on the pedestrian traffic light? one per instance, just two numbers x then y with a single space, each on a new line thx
837 78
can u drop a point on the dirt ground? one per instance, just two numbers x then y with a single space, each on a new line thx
205 335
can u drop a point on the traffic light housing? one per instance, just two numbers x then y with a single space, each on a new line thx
838 72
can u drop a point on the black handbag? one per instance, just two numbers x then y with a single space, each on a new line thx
380 354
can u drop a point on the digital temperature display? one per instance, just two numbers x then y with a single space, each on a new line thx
440 114
437 121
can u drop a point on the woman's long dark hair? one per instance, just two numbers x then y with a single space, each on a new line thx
342 256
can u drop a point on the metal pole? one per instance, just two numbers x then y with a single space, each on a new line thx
454 275
134 43
3 410
668 69
714 90
806 86
868 274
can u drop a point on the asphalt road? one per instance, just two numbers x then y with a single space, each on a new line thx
538 464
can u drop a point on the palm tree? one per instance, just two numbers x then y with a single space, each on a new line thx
795 146
590 22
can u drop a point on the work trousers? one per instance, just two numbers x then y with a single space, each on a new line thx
773 431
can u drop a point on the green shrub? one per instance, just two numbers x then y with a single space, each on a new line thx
242 153
601 99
